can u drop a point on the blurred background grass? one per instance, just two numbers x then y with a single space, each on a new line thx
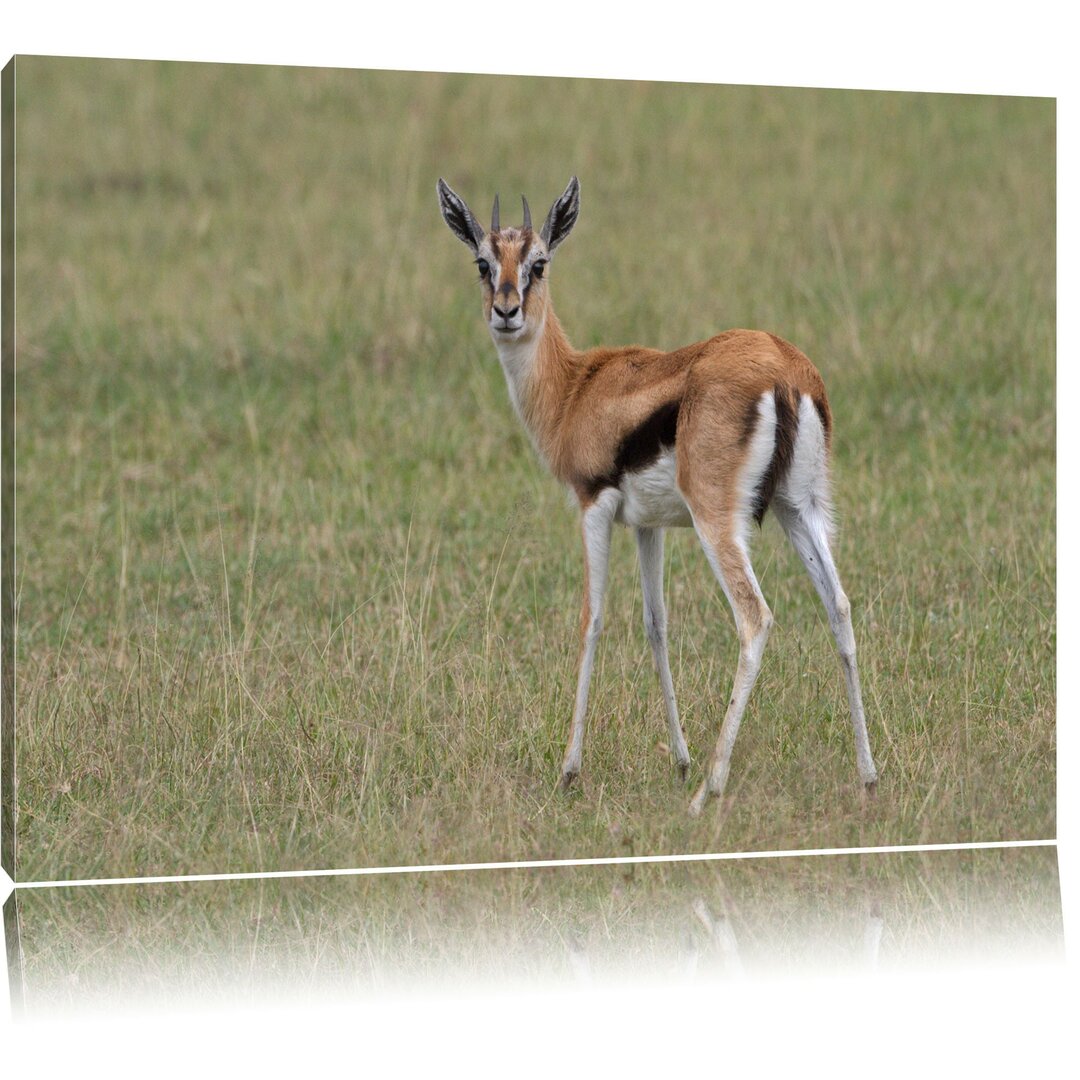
293 590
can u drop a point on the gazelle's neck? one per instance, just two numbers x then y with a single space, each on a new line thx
539 371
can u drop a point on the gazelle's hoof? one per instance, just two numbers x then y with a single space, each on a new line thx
566 781
684 770
870 787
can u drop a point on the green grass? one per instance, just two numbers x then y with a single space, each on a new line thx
293 590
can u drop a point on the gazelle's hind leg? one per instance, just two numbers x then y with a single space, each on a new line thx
650 544
802 508
809 534
721 499
727 555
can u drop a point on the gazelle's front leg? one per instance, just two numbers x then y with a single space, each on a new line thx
650 544
596 524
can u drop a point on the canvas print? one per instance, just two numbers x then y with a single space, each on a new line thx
424 468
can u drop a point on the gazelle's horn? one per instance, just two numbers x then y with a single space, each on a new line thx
528 216
495 215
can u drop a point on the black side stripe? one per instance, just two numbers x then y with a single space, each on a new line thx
642 446
787 427
749 424
639 448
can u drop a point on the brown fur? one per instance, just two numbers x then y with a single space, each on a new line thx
586 409
582 405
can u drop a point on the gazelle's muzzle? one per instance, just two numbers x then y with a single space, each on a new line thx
506 313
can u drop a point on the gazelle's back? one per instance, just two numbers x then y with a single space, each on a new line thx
628 405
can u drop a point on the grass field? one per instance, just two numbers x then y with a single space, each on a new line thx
293 590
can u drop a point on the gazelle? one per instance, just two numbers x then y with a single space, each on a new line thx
709 436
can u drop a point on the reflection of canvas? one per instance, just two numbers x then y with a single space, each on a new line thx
232 941
293 591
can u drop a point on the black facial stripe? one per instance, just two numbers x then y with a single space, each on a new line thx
529 279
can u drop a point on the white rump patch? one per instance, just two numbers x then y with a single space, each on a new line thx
758 456
806 486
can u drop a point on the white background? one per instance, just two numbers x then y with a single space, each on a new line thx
994 1022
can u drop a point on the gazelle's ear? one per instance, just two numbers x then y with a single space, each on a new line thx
562 215
458 216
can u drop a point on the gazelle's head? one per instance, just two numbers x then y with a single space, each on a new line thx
513 262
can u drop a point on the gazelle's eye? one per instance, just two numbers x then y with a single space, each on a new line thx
538 268
483 266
